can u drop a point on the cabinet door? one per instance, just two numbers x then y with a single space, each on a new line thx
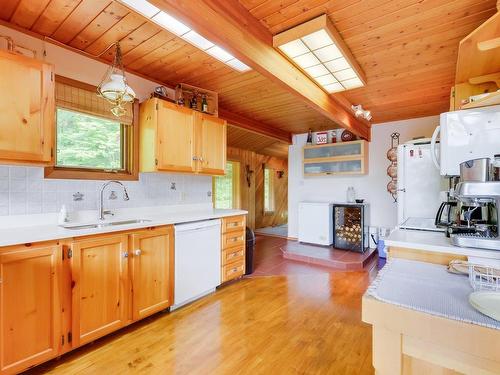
30 313
152 271
99 269
175 147
27 111
211 138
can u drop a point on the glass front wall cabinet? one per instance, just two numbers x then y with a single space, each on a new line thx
336 159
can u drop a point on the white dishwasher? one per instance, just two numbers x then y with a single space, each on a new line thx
197 260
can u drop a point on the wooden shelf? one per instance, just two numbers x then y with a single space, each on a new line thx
492 99
336 159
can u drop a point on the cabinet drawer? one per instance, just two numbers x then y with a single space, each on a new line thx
232 255
232 271
234 223
233 239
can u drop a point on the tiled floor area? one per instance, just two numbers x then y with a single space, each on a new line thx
328 256
269 260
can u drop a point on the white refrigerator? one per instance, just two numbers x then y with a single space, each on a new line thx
419 187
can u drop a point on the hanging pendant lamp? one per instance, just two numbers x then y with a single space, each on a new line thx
114 87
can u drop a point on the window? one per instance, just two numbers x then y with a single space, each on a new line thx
268 190
85 141
226 188
90 142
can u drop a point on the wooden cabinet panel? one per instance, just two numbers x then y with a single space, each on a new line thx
232 255
152 272
233 239
29 306
211 144
175 148
233 223
178 139
27 109
232 271
100 286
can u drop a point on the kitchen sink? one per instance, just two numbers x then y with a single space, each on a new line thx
107 224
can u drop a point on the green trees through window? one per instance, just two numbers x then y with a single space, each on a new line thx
85 141
223 188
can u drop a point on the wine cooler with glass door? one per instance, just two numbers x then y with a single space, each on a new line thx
350 227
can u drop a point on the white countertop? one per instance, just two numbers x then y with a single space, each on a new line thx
434 241
35 228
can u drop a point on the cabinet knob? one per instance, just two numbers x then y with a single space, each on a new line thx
125 254
195 158
138 252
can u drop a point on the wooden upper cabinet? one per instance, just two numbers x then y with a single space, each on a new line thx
30 323
100 286
211 144
175 148
27 109
178 139
152 271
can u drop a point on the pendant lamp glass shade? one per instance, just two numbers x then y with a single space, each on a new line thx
114 87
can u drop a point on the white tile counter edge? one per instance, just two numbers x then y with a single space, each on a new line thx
435 242
21 229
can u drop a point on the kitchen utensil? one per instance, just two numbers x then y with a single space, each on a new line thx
488 303
475 170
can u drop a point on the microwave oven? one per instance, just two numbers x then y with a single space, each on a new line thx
465 135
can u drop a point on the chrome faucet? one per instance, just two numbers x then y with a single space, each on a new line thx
102 212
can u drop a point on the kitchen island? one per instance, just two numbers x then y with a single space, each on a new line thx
423 324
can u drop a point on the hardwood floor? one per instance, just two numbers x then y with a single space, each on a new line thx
307 321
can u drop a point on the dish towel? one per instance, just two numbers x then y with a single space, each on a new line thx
428 288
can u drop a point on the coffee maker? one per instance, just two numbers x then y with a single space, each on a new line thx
479 196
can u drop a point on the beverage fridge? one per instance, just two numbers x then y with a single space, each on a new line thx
350 226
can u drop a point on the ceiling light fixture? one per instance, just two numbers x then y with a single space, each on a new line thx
176 27
360 112
318 49
114 87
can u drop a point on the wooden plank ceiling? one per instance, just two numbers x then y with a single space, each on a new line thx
246 140
407 48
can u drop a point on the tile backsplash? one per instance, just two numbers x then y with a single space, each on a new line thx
23 190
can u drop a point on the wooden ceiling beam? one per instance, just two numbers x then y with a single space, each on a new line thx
255 126
230 25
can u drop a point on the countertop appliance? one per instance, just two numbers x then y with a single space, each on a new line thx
197 260
419 187
465 135
315 223
477 195
350 223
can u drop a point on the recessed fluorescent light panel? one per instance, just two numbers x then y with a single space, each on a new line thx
318 49
176 27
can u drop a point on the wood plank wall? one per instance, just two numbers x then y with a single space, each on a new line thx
252 198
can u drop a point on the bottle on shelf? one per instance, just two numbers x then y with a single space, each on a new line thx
310 137
194 101
204 103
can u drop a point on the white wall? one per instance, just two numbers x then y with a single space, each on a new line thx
371 187
23 190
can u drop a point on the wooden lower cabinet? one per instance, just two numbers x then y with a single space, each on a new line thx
152 271
233 247
99 267
30 313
